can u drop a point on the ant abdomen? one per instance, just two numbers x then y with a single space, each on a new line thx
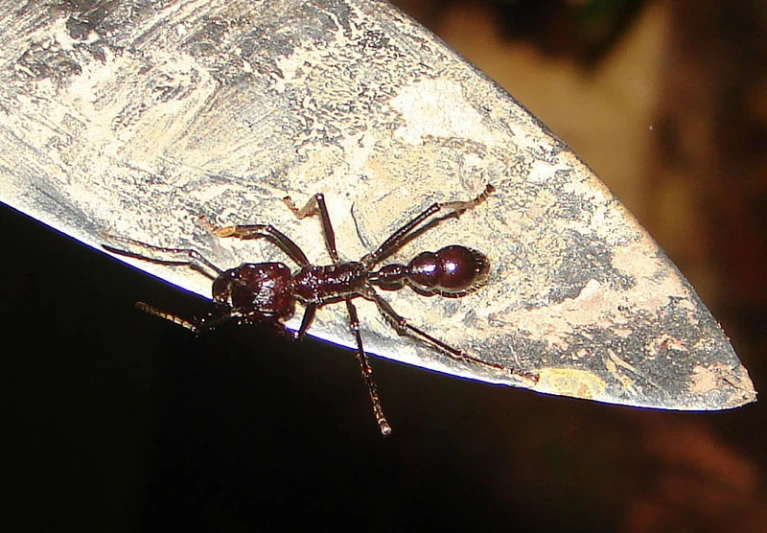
450 271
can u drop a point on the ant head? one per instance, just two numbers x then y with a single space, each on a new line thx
256 290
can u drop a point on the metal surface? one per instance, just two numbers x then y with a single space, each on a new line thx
138 118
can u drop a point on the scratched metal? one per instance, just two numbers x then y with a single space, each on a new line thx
139 117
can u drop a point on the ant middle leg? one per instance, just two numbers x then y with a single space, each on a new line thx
316 206
398 239
367 370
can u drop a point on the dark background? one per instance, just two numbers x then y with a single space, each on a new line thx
116 421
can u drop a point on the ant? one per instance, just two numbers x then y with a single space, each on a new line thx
267 293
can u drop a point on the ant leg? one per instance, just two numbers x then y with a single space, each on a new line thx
403 327
316 205
265 231
193 258
397 239
309 313
367 371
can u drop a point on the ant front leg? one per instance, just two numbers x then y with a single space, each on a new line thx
261 231
306 321
316 206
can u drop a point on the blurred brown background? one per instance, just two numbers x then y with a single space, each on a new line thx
117 422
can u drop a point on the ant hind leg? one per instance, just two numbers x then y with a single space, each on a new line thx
404 328
400 237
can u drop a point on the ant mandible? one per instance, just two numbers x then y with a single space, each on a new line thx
266 293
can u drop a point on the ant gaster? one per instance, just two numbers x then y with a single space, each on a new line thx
266 293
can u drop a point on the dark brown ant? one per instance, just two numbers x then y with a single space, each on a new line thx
266 293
